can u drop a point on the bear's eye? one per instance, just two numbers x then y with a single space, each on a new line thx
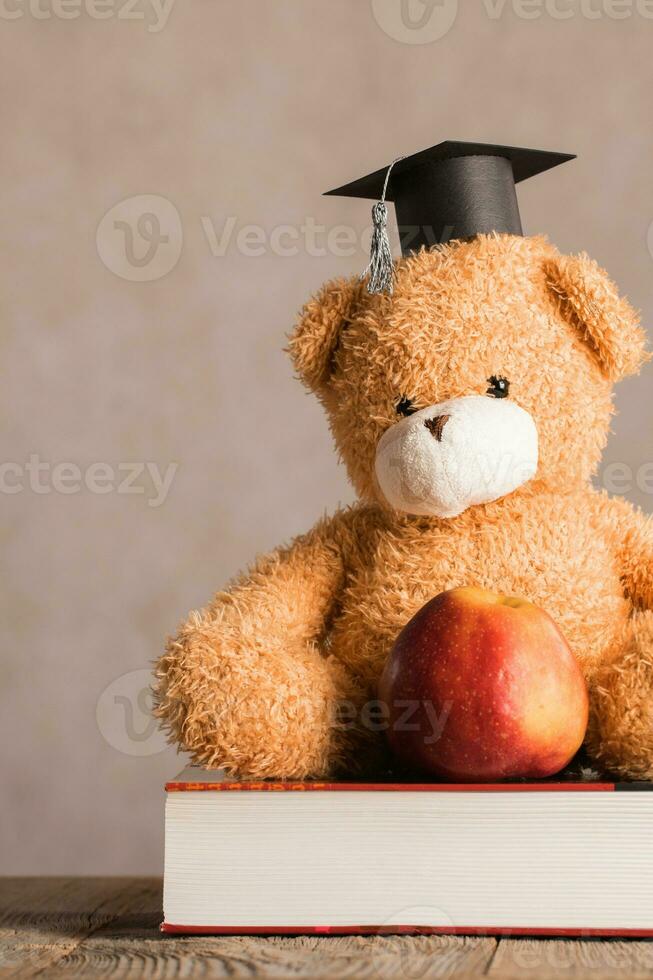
405 406
499 387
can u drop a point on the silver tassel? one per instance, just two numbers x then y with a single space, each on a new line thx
380 270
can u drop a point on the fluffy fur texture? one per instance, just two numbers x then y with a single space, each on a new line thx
271 678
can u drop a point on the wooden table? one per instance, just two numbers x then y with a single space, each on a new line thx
108 927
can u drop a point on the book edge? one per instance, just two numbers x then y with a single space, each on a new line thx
175 786
173 929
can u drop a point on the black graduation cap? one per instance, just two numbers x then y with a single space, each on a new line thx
452 190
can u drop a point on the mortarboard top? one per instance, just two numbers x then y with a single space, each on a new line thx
455 190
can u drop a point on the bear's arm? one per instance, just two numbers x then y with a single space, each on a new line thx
632 532
637 558
247 684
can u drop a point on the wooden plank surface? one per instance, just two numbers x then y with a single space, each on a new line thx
556 959
43 920
108 927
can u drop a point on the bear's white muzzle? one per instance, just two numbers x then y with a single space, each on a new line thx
448 457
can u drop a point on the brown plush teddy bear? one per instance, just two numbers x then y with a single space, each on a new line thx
470 407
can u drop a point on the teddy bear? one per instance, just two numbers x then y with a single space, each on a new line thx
470 408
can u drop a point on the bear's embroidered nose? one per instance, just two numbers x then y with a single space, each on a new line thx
436 425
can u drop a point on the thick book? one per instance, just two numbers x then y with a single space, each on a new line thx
543 858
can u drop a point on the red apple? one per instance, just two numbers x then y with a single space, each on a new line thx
481 686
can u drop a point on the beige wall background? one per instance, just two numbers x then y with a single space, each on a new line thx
122 348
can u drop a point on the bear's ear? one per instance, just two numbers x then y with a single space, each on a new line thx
313 342
609 324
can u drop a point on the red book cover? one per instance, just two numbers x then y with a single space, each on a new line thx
412 787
